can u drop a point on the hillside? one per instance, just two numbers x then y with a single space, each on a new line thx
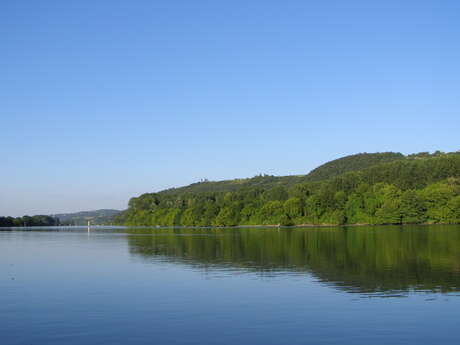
356 162
330 169
386 188
97 217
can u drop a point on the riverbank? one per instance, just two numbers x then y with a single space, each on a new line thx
259 226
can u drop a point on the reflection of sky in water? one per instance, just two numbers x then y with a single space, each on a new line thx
116 288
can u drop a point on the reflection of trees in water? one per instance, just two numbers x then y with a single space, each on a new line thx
367 259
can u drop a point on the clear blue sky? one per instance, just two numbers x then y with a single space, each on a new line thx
104 100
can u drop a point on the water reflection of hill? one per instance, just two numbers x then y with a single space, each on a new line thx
376 259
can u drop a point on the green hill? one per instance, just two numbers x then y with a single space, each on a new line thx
330 169
378 188
356 162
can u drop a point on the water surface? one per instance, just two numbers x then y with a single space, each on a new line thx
361 285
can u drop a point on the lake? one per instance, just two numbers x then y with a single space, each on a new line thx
355 285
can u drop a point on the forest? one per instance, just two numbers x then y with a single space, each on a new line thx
97 217
380 188
38 220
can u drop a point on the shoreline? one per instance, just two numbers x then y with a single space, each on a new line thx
278 226
256 226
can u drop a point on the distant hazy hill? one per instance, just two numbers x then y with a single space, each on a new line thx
97 217
330 169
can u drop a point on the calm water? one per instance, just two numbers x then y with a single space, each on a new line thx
387 285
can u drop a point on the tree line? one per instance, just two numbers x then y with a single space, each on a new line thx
38 220
416 189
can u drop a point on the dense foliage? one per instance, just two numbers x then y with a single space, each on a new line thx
39 220
414 189
328 170
98 217
351 163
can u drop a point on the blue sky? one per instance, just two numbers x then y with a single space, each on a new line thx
104 100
